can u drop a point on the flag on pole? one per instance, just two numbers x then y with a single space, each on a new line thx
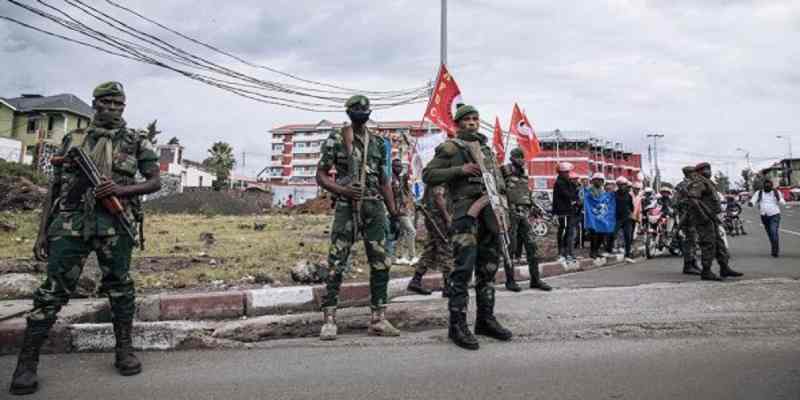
497 141
522 129
440 105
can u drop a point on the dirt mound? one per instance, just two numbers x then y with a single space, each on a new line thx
20 194
210 203
319 205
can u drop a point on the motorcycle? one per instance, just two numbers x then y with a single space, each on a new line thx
732 223
661 233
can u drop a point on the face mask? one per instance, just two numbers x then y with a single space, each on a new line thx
359 117
108 119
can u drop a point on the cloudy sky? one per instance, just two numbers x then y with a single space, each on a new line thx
711 75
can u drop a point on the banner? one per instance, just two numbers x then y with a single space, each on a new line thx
440 105
497 142
600 213
522 129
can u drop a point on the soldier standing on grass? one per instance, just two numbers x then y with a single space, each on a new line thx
686 225
704 208
474 230
362 187
520 203
76 223
438 252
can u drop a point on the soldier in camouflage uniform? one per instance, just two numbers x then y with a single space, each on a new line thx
345 150
519 204
438 253
687 226
75 223
474 232
704 208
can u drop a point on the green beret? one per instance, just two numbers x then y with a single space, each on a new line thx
463 111
108 89
517 153
701 166
688 169
357 99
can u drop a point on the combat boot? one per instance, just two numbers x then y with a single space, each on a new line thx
445 286
487 325
125 361
708 275
536 282
25 379
329 329
691 269
727 272
511 284
416 285
459 331
379 325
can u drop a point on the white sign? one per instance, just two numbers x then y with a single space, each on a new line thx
10 150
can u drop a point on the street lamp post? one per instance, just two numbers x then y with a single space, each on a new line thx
749 167
657 180
788 167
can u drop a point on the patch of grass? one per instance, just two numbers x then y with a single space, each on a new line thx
19 243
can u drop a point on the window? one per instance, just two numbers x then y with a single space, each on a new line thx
51 120
200 180
31 125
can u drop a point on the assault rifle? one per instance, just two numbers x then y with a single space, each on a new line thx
496 202
358 173
110 203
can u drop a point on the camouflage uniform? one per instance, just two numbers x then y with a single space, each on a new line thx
703 210
687 225
519 204
373 214
81 225
437 254
474 240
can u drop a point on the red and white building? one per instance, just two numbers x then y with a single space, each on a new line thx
296 148
588 153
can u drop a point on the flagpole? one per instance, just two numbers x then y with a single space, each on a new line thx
443 42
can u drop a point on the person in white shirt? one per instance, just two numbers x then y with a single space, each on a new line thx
769 201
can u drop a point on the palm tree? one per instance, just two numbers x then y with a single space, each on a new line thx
221 161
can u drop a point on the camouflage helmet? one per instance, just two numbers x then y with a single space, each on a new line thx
357 100
517 153
462 111
111 88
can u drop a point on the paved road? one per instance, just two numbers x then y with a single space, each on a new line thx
694 368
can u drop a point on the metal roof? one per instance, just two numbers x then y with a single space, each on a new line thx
60 102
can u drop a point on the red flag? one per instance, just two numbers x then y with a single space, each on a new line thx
497 141
523 131
440 105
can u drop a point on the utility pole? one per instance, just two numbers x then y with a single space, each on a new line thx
788 167
444 33
657 180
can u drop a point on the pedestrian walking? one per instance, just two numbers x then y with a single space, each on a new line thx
769 202
77 220
474 231
565 207
363 194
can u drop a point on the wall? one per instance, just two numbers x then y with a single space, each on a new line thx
10 150
6 121
299 193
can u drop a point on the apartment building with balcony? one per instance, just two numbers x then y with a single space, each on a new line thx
295 149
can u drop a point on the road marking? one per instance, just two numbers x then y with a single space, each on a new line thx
790 232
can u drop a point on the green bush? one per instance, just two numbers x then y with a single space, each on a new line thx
10 169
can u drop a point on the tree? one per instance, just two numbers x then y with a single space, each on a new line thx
152 131
747 178
221 162
723 182
174 140
758 182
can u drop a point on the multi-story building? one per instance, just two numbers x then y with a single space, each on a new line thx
40 122
588 153
190 173
296 148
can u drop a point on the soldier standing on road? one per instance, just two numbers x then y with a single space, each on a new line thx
686 225
704 208
404 203
520 202
474 230
75 223
362 188
438 252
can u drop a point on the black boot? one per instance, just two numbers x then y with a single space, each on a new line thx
125 362
487 325
727 272
445 286
416 285
459 331
511 284
536 282
691 269
707 275
25 380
